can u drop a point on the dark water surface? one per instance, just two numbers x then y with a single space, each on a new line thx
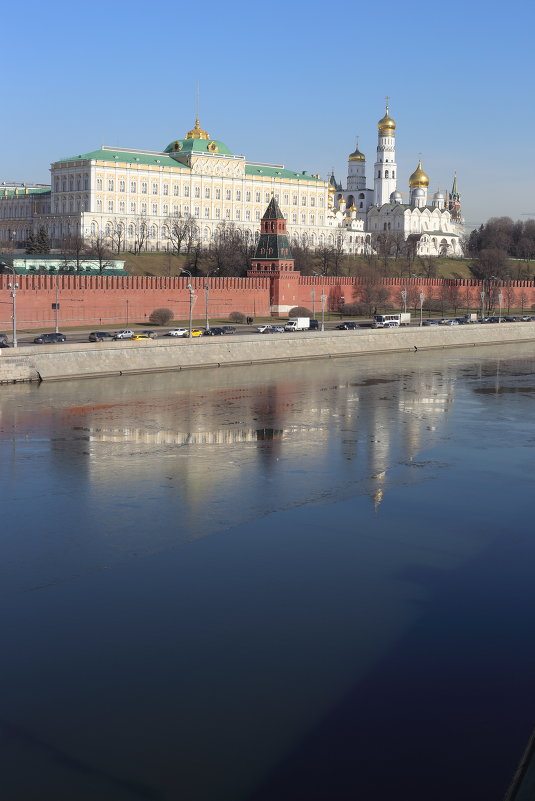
275 583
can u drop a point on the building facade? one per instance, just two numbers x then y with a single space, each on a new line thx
140 199
432 227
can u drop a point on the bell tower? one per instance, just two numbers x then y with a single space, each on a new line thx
385 166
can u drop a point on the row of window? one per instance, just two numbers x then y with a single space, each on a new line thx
239 195
71 184
196 212
386 174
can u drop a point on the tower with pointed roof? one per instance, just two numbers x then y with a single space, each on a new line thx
385 167
356 170
454 202
273 259
272 252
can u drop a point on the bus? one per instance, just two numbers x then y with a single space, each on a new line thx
391 320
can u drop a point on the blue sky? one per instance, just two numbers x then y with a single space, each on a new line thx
292 84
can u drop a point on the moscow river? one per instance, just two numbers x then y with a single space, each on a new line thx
302 582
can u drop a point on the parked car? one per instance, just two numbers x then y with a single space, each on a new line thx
347 326
451 322
100 336
3 337
228 329
137 337
214 332
314 325
177 332
430 322
195 332
44 338
3 344
277 329
150 334
126 333
265 329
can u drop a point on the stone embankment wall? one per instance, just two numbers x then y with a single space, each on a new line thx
123 358
118 302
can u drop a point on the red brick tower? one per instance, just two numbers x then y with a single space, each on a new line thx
273 259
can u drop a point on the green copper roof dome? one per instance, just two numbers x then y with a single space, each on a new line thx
197 140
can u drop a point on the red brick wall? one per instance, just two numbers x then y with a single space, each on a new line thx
351 289
107 300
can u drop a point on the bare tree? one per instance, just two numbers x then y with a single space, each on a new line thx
141 231
118 236
100 251
490 263
74 249
180 234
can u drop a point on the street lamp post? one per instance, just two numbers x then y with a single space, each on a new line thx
313 296
206 295
56 305
500 300
14 286
322 304
422 298
482 296
191 302
191 297
404 299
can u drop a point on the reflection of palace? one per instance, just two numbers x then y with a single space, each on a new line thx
385 422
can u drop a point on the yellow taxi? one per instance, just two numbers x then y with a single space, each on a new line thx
137 337
196 332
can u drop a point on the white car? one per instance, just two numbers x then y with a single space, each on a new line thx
265 329
126 333
178 332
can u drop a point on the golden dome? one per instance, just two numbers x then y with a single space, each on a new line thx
197 132
357 155
419 178
386 124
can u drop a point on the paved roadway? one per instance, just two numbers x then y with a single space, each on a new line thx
82 336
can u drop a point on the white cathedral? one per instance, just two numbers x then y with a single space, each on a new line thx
117 194
433 228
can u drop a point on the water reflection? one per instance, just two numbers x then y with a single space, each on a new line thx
219 571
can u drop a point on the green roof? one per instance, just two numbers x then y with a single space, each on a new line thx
128 156
21 191
278 172
198 146
273 211
272 246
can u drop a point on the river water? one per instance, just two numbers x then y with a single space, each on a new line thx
275 583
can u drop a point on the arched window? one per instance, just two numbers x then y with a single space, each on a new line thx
379 173
386 173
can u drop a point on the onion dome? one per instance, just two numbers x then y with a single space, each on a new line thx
386 124
418 193
353 208
438 195
395 197
357 155
197 132
419 178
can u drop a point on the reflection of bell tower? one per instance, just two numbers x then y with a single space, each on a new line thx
273 259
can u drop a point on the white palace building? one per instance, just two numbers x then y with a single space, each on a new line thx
118 190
